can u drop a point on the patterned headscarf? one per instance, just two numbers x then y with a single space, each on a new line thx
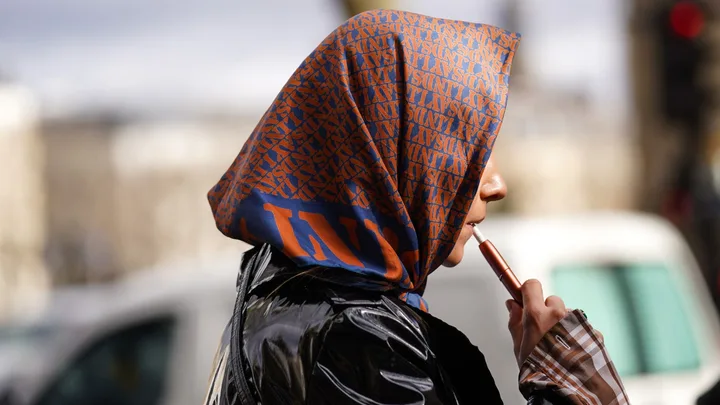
370 156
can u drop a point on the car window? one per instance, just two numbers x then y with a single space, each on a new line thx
667 333
639 310
126 367
595 290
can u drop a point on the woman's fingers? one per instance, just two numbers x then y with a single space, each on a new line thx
557 306
515 324
515 321
532 294
530 322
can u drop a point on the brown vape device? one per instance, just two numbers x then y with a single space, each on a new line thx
500 266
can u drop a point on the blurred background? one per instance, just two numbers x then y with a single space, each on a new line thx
117 116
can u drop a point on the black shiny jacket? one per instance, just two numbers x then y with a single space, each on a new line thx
310 337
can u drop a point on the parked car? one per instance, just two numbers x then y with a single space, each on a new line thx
150 339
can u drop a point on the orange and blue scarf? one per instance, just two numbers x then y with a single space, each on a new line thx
370 156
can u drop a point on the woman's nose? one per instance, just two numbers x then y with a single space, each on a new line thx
494 188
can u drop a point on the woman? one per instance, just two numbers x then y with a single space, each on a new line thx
365 175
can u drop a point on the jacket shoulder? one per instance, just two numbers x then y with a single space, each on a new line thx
375 355
285 330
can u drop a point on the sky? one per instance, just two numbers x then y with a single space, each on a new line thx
155 55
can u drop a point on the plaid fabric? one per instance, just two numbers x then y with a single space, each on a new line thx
571 362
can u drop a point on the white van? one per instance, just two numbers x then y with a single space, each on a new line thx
632 274
151 339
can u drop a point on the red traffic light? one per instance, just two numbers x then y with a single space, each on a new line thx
687 19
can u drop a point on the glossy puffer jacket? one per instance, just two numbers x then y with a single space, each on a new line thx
310 336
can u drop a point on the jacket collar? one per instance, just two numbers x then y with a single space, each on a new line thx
266 263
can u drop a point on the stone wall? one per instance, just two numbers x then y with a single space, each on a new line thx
124 196
568 174
23 279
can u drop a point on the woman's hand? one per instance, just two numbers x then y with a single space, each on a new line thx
529 323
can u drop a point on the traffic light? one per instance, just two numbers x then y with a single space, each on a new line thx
682 52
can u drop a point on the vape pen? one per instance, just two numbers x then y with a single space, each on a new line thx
499 265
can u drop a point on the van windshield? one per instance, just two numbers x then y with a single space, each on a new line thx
640 311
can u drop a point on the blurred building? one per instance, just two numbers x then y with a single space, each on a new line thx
559 155
126 194
23 278
676 83
80 189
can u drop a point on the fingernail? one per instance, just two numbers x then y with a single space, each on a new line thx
508 306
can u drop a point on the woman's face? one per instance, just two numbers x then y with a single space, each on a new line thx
492 188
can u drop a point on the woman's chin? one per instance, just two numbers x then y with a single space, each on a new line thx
455 257
458 251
